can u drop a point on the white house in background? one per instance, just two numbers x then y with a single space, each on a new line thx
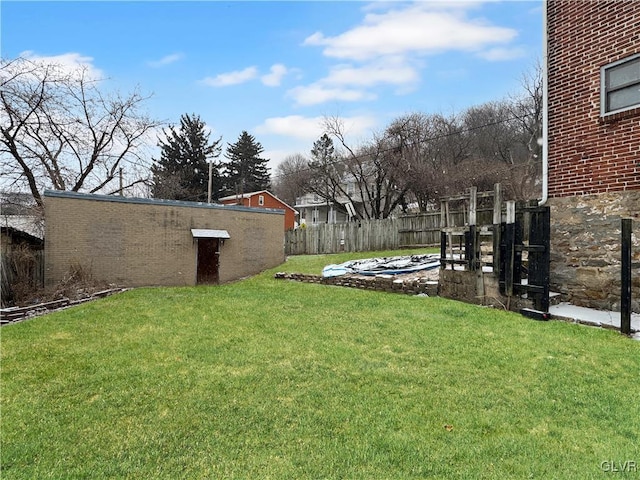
313 210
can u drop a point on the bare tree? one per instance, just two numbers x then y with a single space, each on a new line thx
527 109
374 171
434 152
505 138
59 130
420 157
292 178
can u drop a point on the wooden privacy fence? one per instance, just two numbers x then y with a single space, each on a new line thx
20 269
360 236
407 231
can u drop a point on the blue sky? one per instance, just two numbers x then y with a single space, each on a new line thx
276 69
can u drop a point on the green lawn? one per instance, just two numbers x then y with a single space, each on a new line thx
269 378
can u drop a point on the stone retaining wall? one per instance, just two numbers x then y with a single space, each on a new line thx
586 248
419 286
479 288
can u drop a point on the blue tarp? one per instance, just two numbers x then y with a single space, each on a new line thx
384 265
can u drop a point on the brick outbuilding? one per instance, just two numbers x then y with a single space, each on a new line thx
138 242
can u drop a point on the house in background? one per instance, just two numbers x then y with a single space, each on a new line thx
263 199
593 95
315 210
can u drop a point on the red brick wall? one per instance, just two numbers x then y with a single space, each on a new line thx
588 153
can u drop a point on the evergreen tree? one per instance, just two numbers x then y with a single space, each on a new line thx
246 171
182 173
323 152
325 177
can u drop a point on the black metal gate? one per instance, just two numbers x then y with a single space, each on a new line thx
524 256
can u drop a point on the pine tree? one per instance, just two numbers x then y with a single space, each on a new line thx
246 171
322 163
182 173
323 152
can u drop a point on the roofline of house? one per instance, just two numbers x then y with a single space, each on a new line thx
245 195
250 194
156 201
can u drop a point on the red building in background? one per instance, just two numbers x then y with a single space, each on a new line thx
263 199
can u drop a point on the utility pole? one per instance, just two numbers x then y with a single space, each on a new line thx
210 181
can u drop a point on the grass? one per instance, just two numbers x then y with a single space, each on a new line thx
268 378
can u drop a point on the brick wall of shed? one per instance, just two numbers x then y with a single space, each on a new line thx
136 244
589 154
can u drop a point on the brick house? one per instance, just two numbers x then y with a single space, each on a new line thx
264 199
593 142
140 242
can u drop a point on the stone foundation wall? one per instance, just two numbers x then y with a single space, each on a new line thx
585 248
478 288
421 286
465 286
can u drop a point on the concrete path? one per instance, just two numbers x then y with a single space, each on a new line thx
589 316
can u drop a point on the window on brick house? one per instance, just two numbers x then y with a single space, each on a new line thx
620 85
261 200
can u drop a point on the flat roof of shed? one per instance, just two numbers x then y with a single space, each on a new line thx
156 201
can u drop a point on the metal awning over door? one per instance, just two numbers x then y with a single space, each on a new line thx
207 233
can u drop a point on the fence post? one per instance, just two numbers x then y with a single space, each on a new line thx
509 240
473 237
473 205
497 220
443 236
625 294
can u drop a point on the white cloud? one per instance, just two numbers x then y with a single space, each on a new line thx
318 93
418 29
274 78
348 83
166 60
231 78
68 63
499 54
297 126
311 128
295 134
387 46
390 72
